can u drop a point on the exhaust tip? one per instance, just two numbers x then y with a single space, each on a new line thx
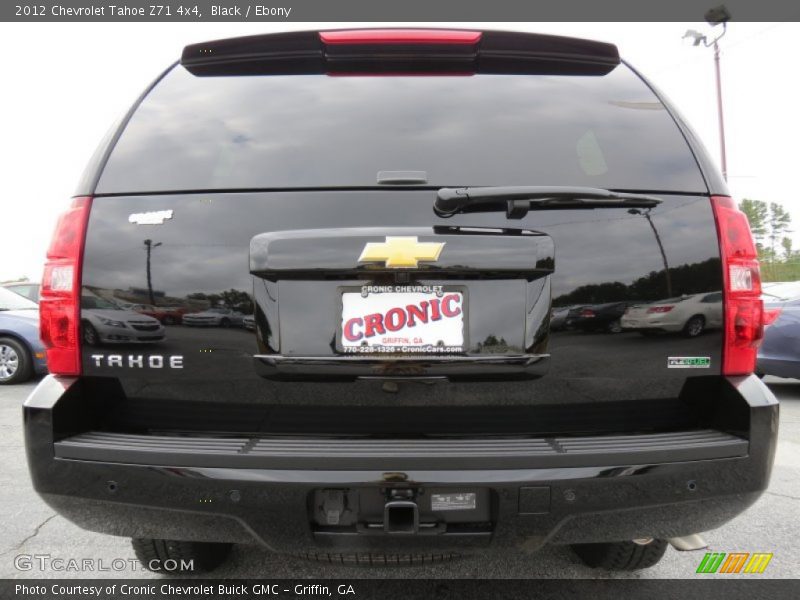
688 543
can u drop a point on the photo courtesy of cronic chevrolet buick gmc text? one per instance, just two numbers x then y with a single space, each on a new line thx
401 210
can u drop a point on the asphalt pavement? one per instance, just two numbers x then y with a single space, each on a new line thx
32 530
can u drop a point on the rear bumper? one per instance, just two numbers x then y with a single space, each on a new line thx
570 490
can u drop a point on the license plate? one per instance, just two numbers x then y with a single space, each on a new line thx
405 319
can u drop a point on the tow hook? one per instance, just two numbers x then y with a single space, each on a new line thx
688 542
400 513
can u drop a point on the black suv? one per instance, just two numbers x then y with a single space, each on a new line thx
395 212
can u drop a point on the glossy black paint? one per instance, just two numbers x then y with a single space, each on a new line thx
598 317
266 191
469 253
585 504
600 255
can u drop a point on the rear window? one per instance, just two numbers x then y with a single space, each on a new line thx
206 133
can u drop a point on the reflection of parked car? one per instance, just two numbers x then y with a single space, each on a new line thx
249 322
779 353
597 317
126 305
168 315
173 314
214 317
26 289
558 316
690 315
103 322
21 352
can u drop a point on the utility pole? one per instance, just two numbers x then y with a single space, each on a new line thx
646 214
723 157
715 16
150 245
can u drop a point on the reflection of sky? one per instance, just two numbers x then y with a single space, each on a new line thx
205 247
285 131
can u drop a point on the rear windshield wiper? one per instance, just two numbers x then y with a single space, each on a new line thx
518 200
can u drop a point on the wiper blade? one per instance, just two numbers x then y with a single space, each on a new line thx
519 200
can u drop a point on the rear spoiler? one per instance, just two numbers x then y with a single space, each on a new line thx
399 52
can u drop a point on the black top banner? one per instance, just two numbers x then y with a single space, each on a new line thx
392 10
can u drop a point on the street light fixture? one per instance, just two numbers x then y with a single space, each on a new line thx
716 16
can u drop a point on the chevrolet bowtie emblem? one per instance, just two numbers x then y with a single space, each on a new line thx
401 252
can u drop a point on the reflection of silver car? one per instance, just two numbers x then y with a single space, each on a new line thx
214 317
103 322
249 322
690 315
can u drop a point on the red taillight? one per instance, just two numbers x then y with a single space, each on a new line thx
771 315
744 310
399 36
59 305
660 309
587 313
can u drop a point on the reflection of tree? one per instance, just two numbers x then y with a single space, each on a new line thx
494 345
238 300
687 279
769 224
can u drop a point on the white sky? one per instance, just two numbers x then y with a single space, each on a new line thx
64 84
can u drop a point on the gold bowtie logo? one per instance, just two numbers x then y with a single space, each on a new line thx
401 252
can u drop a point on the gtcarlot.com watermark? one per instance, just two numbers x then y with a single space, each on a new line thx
48 562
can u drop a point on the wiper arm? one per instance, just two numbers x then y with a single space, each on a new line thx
520 199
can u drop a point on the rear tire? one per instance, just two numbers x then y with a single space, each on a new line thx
16 364
157 555
614 327
694 326
225 323
621 556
